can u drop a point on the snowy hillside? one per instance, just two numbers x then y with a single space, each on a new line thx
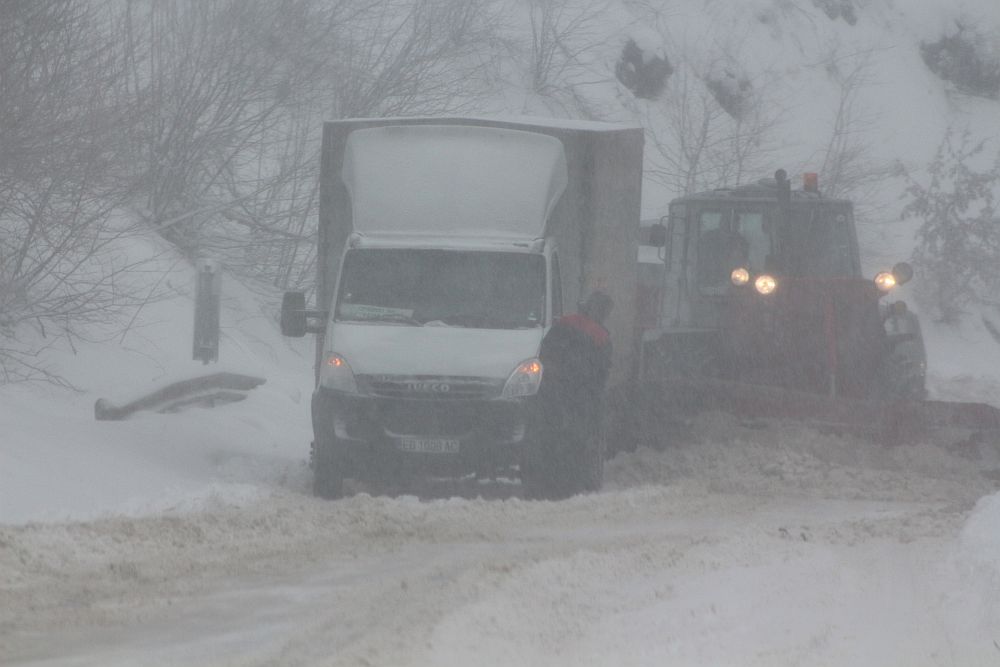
829 82
192 538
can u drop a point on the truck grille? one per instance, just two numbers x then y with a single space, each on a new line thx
429 387
409 418
493 420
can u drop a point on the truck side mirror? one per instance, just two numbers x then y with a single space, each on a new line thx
293 314
662 236
658 235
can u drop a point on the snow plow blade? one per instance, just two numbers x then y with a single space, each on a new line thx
886 422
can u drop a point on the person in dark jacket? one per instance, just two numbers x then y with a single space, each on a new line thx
576 359
568 455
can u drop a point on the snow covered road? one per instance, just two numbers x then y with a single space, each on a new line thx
750 547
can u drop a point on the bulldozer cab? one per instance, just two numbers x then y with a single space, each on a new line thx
763 284
728 237
764 313
710 235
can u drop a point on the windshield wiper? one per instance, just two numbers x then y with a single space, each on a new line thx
395 318
487 321
401 318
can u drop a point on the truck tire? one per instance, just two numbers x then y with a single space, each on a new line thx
531 483
328 471
537 470
902 373
563 463
589 468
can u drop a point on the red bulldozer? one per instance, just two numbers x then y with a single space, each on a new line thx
762 311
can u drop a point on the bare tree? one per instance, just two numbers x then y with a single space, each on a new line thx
405 57
699 144
60 266
561 33
233 94
848 168
207 93
375 58
958 247
270 233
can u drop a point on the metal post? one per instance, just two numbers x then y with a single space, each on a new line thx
208 290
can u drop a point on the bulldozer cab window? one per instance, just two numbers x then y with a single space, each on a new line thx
755 229
730 238
826 248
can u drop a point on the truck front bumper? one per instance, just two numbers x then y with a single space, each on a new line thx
377 436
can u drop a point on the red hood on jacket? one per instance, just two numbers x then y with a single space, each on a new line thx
597 333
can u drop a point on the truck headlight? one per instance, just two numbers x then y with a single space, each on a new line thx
336 374
739 276
524 381
885 281
765 284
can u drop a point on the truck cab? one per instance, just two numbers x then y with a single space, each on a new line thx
430 357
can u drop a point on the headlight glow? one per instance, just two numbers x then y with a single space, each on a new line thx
524 381
336 374
740 276
885 281
765 284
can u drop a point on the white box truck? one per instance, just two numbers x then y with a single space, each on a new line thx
447 248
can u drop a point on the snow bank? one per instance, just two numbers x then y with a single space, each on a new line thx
58 463
982 531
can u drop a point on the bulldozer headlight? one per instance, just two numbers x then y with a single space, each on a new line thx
336 374
765 284
885 281
740 276
524 381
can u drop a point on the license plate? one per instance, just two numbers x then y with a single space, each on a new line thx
429 445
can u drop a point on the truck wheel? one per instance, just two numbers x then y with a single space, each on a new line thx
589 468
545 467
328 471
902 371
556 466
537 470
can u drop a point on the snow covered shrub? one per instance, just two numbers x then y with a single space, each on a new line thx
958 249
838 9
733 93
644 74
970 59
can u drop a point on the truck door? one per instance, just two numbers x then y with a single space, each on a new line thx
555 296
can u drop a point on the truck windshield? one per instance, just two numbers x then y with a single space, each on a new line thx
728 238
483 290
